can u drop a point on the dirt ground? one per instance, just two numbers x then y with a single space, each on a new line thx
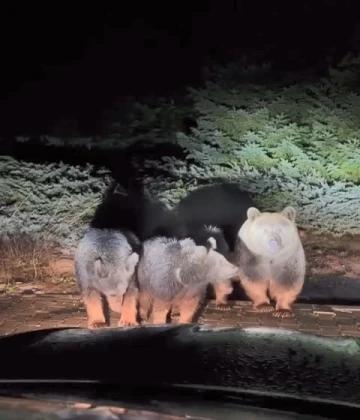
326 256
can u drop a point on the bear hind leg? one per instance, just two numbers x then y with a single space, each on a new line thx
160 311
94 308
188 309
145 303
175 312
222 291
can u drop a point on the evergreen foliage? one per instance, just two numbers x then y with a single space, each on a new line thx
55 200
287 143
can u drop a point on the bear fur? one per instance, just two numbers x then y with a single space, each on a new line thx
175 273
271 259
107 255
138 213
222 287
221 205
105 263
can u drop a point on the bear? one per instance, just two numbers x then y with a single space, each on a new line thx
221 205
222 287
105 263
107 255
175 273
138 213
271 259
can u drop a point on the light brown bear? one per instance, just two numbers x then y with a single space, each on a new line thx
271 260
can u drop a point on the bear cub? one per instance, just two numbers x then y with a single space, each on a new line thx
271 259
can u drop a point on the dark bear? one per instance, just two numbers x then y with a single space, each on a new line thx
222 207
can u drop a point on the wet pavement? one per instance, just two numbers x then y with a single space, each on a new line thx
20 313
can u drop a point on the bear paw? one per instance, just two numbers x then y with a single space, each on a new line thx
264 307
175 316
283 313
97 325
223 306
127 322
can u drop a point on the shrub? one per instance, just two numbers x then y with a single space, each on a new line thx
286 143
54 200
26 256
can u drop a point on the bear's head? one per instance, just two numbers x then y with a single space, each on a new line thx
215 266
272 235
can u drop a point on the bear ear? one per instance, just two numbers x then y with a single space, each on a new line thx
289 213
253 213
211 243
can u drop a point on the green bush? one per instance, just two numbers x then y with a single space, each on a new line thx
55 200
286 143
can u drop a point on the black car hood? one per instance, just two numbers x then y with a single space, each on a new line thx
262 360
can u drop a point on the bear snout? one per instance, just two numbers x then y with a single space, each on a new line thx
274 245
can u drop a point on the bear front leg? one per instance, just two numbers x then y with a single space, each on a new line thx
286 287
256 290
285 296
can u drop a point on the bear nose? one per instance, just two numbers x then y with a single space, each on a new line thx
274 244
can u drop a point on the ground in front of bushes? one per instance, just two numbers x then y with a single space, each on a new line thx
22 313
33 272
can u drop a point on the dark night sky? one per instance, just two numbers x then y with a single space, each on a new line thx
59 59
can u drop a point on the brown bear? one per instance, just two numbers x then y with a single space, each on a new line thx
271 259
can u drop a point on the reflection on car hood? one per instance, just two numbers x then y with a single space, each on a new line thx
35 408
258 359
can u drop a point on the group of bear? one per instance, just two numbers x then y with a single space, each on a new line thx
148 261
